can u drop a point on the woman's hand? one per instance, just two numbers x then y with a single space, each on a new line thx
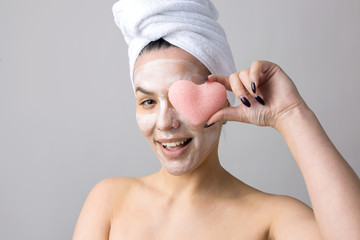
264 86
337 209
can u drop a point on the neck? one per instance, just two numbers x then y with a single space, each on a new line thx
206 180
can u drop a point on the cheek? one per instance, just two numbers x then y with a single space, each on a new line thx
207 138
146 122
212 137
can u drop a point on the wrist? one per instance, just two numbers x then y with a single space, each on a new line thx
291 118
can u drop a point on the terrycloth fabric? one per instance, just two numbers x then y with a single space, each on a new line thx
188 24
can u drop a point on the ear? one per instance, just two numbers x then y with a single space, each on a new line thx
227 104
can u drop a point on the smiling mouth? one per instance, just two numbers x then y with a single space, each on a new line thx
172 146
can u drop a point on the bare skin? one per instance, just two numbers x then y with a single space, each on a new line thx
193 197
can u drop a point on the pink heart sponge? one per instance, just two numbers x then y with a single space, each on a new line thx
197 102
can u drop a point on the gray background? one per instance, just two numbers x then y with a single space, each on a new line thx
67 112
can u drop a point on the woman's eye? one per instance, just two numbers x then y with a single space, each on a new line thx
147 102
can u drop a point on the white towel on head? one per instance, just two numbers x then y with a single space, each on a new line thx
188 24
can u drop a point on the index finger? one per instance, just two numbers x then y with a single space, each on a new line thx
224 80
258 68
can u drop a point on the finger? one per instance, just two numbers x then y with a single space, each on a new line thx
261 68
238 88
227 114
257 69
224 80
246 81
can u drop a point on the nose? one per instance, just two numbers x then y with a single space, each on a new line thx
167 118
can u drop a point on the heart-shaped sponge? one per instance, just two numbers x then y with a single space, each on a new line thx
197 102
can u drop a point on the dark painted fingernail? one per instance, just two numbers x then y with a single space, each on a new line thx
245 101
206 78
253 87
260 100
206 126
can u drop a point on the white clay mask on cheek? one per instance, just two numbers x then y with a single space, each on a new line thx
204 142
146 122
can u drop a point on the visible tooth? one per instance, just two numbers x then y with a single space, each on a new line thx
179 143
173 144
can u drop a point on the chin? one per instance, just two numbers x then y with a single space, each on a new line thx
176 172
178 167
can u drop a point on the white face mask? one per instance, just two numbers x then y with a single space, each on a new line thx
180 146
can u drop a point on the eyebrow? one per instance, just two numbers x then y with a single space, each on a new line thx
140 89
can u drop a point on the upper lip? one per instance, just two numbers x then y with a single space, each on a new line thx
170 140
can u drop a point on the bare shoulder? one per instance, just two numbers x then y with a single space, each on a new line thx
95 218
282 217
278 206
115 185
291 219
115 190
111 189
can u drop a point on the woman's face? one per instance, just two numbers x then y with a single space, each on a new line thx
180 145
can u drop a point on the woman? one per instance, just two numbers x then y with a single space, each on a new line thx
192 196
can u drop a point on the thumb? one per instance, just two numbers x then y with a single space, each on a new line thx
227 114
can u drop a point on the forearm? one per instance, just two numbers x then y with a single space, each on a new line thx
333 187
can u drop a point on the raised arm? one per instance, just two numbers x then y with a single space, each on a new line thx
333 187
